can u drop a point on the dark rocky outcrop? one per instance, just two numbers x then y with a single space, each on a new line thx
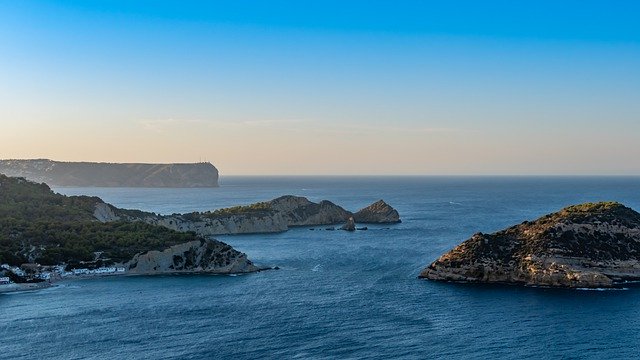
378 212
299 211
350 225
87 174
588 245
200 256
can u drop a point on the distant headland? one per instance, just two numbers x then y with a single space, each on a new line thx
94 174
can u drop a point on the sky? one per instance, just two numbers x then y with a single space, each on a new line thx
326 87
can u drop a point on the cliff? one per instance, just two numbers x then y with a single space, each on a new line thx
56 173
276 215
201 256
40 226
299 211
588 245
377 213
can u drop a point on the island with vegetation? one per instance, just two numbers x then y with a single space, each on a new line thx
276 215
93 174
592 245
41 230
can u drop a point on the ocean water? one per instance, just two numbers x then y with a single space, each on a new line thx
337 294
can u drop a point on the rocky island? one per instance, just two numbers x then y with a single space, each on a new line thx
44 234
276 215
88 174
593 245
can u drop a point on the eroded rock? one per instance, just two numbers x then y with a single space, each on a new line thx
589 245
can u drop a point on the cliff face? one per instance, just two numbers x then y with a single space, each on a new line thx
273 216
200 256
588 245
88 174
299 211
378 212
203 224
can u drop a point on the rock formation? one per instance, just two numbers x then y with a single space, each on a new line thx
588 245
87 174
350 225
378 212
200 256
299 211
267 217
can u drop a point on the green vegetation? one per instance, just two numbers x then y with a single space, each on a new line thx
593 207
261 207
39 225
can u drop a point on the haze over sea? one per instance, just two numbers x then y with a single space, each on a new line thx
337 294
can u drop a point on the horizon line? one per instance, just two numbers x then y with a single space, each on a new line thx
430 175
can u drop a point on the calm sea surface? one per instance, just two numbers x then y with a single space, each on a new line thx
338 294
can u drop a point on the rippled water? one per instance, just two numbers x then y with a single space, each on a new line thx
337 295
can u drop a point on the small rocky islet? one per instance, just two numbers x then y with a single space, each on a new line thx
592 245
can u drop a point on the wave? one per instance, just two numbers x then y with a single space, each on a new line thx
603 289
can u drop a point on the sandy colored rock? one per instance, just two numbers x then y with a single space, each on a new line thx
378 212
268 217
199 256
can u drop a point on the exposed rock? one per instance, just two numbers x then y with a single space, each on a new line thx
378 212
58 173
200 256
231 224
299 211
273 216
350 225
105 213
588 245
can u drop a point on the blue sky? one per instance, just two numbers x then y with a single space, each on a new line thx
359 87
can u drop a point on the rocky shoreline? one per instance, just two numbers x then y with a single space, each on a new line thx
277 215
593 245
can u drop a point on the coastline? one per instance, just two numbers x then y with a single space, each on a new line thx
18 287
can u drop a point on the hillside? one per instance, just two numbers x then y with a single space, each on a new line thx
56 173
38 225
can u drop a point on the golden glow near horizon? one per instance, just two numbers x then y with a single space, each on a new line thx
306 148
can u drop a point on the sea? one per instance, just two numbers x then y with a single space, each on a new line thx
337 295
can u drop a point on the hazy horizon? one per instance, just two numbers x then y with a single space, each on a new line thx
288 88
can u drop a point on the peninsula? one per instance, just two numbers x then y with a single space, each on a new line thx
44 235
93 174
591 245
276 215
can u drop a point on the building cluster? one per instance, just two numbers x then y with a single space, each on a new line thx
31 272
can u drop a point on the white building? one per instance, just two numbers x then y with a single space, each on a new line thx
4 280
